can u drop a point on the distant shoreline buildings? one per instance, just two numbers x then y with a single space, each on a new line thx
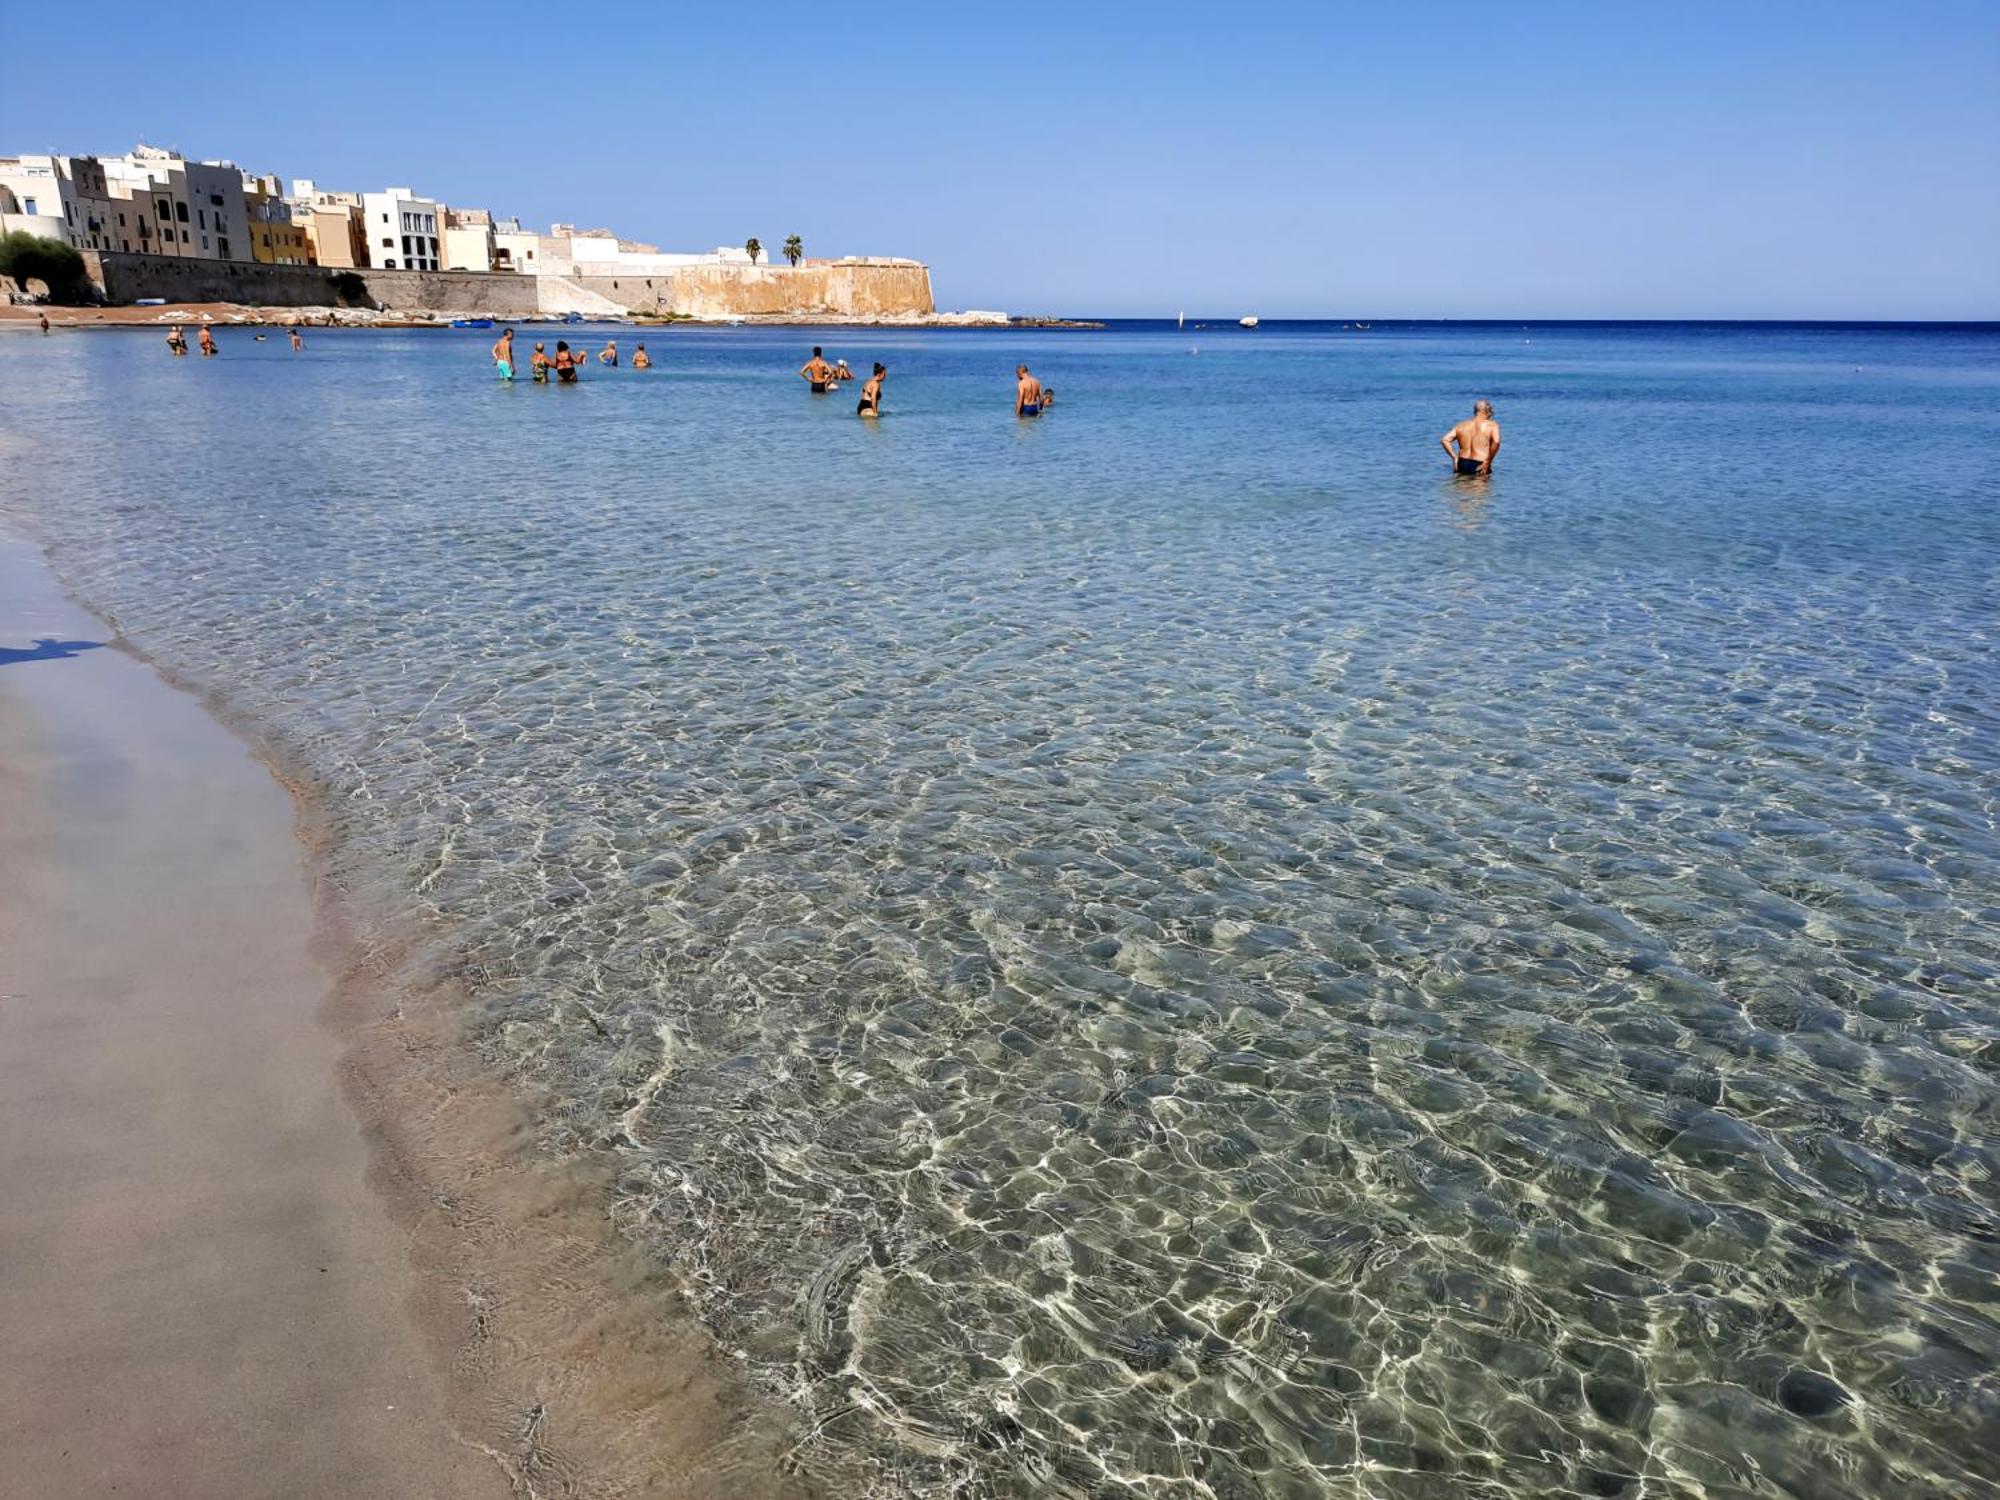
152 201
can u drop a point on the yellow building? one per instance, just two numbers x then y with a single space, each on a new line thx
276 237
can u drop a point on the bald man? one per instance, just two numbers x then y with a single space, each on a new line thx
1474 443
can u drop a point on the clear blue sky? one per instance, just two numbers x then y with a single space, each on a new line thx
1749 159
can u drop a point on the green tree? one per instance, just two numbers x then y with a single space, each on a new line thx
795 248
31 257
755 247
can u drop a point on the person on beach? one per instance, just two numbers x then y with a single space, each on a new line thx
538 365
1027 393
297 342
503 354
565 364
841 372
641 360
177 339
871 393
1474 443
609 354
207 341
816 372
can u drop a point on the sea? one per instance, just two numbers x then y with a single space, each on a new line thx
1175 950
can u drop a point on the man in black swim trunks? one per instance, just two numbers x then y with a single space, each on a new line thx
1474 443
817 371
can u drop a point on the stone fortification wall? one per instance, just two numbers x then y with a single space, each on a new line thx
128 278
886 289
859 289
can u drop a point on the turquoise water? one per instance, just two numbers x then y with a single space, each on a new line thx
1176 950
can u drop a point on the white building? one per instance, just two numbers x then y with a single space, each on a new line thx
468 240
64 198
403 230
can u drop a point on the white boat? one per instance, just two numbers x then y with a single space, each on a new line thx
1181 321
1247 322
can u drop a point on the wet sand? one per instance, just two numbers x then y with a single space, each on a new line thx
268 1228
199 1292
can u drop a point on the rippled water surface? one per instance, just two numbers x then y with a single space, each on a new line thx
1177 951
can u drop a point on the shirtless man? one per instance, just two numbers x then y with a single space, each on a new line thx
609 354
871 393
1027 393
817 371
176 340
45 322
207 341
503 354
297 342
1477 439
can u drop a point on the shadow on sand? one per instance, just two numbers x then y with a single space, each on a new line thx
46 649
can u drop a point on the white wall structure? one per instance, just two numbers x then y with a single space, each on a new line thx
64 198
404 231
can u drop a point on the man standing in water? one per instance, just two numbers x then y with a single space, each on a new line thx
1477 441
503 354
297 342
1027 393
871 393
817 371
206 340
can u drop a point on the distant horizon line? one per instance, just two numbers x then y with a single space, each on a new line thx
1225 320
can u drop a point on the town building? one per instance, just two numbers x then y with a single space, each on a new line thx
64 198
402 230
277 237
332 224
468 240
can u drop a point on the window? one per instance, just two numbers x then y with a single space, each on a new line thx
181 212
28 204
202 214
121 218
69 212
531 255
125 244
388 244
204 242
165 212
222 248
385 218
216 199
184 236
388 265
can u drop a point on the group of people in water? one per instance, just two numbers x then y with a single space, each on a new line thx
177 343
566 365
1471 445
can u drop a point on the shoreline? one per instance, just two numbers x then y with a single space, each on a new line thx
244 315
266 1086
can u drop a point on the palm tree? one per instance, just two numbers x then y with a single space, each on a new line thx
795 248
755 247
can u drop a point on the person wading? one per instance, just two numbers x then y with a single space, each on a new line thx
817 372
503 354
1474 443
1027 393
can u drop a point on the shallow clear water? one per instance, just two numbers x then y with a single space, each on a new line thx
1177 950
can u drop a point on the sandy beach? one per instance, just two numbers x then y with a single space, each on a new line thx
264 1237
201 1295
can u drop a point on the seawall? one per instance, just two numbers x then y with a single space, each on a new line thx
865 289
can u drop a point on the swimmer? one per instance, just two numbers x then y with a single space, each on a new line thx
871 393
298 343
1477 439
503 354
177 340
565 364
841 372
538 366
1027 393
641 360
207 341
609 354
816 372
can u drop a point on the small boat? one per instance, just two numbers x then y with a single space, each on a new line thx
1364 327
150 302
1181 321
573 317
1246 322
472 322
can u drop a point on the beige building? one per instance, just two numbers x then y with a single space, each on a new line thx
65 198
467 242
332 225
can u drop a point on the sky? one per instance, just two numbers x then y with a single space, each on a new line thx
1753 159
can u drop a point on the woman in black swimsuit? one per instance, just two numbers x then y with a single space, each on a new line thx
871 393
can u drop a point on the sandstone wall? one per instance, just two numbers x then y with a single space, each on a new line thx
128 278
838 290
861 290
